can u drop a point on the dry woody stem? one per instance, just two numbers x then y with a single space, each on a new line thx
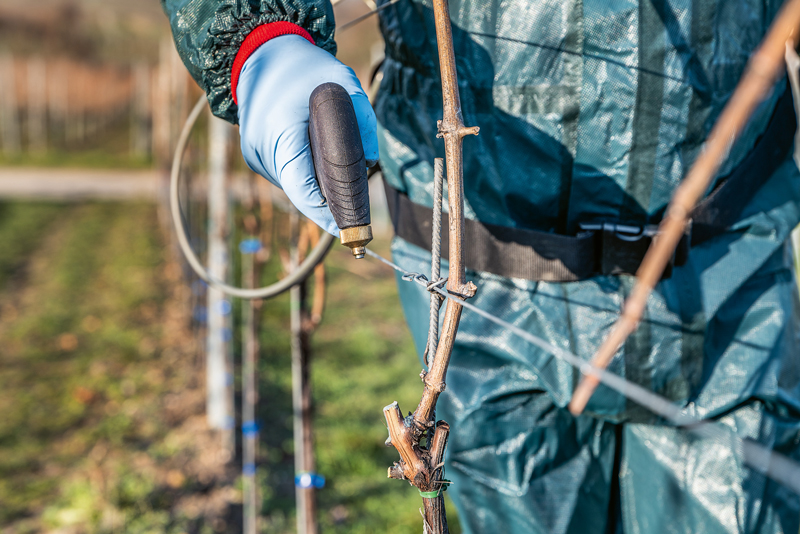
764 67
422 464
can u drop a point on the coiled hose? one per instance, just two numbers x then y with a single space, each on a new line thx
295 277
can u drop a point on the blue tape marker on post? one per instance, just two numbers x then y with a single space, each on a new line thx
250 428
309 480
250 246
200 314
225 307
199 287
249 470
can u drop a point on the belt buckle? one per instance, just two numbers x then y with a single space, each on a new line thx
621 247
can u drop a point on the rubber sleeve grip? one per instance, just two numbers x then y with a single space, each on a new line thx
338 155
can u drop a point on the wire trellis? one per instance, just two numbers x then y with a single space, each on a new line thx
765 461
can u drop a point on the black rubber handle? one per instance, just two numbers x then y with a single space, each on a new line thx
338 155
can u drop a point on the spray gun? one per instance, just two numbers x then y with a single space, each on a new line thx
340 164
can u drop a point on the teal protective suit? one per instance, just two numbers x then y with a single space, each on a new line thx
589 110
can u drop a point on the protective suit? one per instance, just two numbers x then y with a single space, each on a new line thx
589 111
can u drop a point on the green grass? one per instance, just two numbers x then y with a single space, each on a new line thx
22 227
72 333
101 387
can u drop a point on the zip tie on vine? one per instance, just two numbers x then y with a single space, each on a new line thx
443 484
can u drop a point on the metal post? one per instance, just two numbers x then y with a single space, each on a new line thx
219 374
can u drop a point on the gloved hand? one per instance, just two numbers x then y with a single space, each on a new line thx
273 91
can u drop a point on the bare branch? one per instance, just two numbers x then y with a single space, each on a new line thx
452 129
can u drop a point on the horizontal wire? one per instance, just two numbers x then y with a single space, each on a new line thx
767 462
356 20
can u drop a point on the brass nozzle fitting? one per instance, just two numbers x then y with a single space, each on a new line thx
357 238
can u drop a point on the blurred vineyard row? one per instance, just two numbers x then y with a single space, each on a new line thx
63 105
91 83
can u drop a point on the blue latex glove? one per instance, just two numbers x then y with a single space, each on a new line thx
273 91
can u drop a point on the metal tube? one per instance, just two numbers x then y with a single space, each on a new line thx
218 374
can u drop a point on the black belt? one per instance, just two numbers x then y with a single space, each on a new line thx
601 248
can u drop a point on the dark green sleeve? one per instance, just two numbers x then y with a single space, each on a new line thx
208 34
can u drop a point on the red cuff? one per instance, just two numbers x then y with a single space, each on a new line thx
258 37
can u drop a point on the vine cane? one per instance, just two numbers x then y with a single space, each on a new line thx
422 465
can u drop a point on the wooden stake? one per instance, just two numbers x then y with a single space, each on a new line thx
9 114
249 399
56 101
250 307
304 461
37 105
140 130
